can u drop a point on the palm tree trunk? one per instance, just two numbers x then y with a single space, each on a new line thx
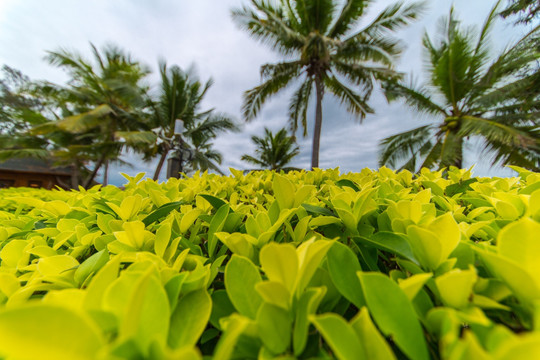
75 175
160 163
318 123
106 173
94 172
458 162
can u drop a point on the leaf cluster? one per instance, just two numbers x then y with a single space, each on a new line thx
386 264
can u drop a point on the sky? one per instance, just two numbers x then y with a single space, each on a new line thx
202 33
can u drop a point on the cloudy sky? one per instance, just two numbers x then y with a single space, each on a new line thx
201 32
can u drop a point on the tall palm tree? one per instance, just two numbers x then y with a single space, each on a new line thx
469 93
324 49
273 151
180 97
104 100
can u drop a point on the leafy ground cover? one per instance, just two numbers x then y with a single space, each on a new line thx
370 265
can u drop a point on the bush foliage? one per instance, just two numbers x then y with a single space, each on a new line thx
370 265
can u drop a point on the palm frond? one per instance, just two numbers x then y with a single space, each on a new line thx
24 153
279 79
394 17
414 97
298 106
404 146
354 102
352 10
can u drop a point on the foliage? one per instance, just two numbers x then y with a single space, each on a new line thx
469 93
180 97
324 49
527 10
104 103
273 152
370 265
25 106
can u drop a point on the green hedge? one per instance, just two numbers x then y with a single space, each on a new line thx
307 265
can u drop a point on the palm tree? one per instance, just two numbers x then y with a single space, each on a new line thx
180 97
273 151
25 107
468 93
324 50
105 101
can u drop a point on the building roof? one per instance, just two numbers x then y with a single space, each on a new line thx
31 165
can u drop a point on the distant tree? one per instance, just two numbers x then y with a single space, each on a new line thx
470 93
105 101
24 107
180 97
526 10
273 151
325 50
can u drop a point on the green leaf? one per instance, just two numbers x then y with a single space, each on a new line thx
394 314
40 331
280 263
274 326
221 307
307 305
340 336
391 242
412 285
274 293
317 210
216 202
347 182
91 265
310 255
284 191
235 326
56 265
241 276
188 219
189 319
161 212
433 245
163 236
455 287
343 266
519 242
374 345
142 306
215 226
100 282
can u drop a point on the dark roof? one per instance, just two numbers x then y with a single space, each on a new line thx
34 166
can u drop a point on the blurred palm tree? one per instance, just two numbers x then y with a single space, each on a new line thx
24 107
469 93
104 101
180 97
273 151
325 51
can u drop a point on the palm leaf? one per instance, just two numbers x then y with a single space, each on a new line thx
280 78
404 146
298 106
355 103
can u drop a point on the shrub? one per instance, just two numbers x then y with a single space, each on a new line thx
369 265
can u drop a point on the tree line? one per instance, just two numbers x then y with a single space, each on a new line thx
107 107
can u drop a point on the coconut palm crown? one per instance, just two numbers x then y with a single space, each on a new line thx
274 151
180 96
470 93
325 49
